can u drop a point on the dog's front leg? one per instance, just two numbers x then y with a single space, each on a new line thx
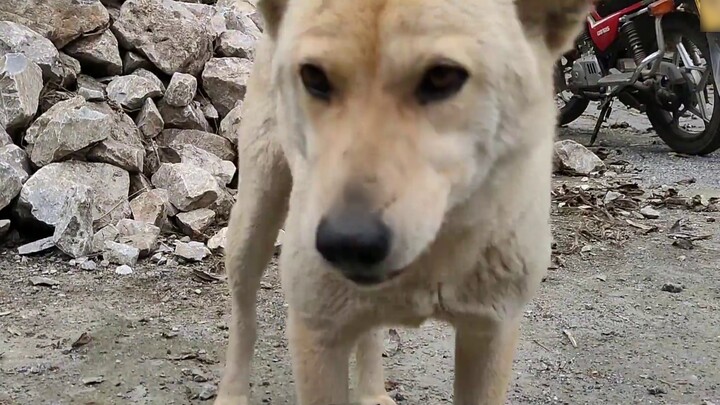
483 363
320 364
371 380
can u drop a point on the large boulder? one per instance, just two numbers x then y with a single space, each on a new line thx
20 86
215 144
16 157
189 187
189 117
74 231
236 44
61 21
98 53
223 170
225 81
17 38
230 125
149 120
123 147
181 90
65 129
44 194
167 33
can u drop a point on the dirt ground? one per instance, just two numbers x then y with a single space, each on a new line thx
603 329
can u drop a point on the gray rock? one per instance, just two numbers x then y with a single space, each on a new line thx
195 223
131 91
152 207
16 38
66 128
59 20
211 113
188 117
650 212
4 228
139 183
5 138
167 33
141 235
123 270
120 253
574 159
70 70
37 246
124 147
239 15
223 205
151 76
223 170
10 184
20 86
181 90
218 241
225 81
108 233
88 265
133 61
98 53
215 144
230 125
16 157
189 187
90 89
74 230
43 195
149 120
236 44
192 251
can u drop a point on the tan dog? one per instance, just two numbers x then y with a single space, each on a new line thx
409 142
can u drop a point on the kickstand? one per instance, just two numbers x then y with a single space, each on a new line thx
605 110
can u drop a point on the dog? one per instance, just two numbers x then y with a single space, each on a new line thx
406 146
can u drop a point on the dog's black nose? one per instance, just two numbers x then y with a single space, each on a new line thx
353 241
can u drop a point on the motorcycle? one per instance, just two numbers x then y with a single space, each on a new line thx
653 57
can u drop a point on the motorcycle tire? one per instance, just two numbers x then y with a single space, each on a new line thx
707 141
572 110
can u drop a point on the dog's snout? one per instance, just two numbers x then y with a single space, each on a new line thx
354 241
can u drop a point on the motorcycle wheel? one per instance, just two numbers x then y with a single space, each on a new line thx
572 107
668 129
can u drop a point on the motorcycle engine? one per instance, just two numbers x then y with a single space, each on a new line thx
586 73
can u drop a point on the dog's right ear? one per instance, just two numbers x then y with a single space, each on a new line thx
272 12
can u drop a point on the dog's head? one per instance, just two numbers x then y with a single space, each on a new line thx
399 109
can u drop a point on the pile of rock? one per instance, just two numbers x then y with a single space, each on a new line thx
118 122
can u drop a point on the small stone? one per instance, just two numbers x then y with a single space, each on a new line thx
672 288
123 270
218 241
192 251
195 223
152 206
90 89
88 265
36 246
230 125
215 144
223 170
20 85
611 196
150 76
573 158
105 234
188 117
119 253
131 91
225 81
235 43
141 235
650 212
207 392
16 157
5 138
74 231
189 187
43 281
181 90
97 53
149 120
211 113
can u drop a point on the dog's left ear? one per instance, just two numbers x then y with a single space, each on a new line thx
272 12
557 22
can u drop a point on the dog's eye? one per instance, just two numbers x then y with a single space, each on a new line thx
441 82
316 82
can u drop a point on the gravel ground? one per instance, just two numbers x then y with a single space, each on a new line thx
602 329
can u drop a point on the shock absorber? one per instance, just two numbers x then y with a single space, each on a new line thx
633 40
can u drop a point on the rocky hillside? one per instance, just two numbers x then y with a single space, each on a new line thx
117 124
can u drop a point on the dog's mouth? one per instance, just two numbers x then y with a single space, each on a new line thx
371 278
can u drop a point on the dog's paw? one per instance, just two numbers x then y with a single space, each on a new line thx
231 400
377 400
